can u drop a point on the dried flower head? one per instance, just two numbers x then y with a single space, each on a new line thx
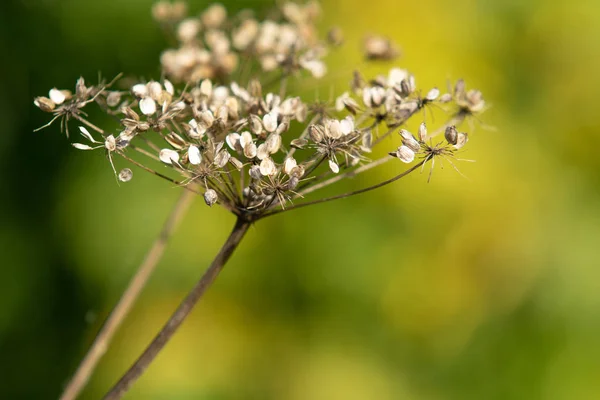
237 142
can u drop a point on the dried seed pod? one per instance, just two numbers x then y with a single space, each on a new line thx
194 156
422 132
461 139
267 167
405 154
255 172
210 197
409 140
237 164
125 175
316 133
334 167
299 143
222 158
168 156
175 140
451 134
44 103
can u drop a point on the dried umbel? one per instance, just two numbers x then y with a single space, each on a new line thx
247 144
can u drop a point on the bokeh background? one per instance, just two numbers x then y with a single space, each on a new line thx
479 288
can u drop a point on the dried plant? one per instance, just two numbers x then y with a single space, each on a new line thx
222 130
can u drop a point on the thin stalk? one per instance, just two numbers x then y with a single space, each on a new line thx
353 193
166 333
127 300
345 175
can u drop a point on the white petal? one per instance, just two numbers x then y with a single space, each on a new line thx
194 155
81 146
86 134
334 167
57 96
147 106
168 156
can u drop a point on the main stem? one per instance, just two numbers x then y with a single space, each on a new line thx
118 314
184 309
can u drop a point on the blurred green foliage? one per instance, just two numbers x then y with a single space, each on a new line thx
458 289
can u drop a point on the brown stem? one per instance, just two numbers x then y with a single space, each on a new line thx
182 312
341 196
118 314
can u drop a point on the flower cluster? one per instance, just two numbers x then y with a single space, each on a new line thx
252 150
211 45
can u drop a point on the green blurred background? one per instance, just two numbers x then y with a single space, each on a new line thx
487 288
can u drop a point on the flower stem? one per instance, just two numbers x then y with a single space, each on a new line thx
128 298
353 193
182 312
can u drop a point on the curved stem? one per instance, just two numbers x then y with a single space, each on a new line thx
182 312
128 298
341 196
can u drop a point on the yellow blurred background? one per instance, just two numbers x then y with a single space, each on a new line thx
478 288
